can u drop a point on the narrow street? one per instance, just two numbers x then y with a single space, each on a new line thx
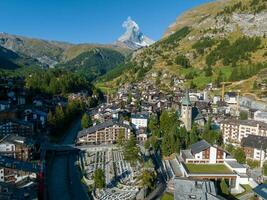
64 181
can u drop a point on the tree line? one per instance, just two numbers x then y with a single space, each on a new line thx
59 119
232 53
169 137
56 81
244 72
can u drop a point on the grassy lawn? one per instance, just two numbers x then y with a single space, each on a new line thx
247 190
167 196
202 81
226 71
208 168
104 88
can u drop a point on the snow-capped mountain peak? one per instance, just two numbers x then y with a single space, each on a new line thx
133 38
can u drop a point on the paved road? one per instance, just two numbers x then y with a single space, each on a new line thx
64 181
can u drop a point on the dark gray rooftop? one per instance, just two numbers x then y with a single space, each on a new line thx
101 126
199 146
254 141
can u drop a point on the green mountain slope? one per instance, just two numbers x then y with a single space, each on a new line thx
94 62
11 61
48 53
90 59
219 41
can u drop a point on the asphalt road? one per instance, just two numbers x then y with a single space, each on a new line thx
64 180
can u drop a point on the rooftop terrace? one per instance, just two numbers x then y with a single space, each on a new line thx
208 169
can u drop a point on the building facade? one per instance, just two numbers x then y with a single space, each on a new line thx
235 130
203 152
16 127
139 121
104 133
255 147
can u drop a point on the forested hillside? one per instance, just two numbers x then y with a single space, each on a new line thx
223 41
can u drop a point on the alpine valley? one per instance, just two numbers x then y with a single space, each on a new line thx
223 41
28 54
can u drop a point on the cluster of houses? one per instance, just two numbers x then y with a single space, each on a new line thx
131 107
23 127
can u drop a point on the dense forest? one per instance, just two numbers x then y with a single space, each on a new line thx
56 81
231 54
94 63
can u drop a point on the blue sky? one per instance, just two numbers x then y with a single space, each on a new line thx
88 21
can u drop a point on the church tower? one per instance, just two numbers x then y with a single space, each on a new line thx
186 111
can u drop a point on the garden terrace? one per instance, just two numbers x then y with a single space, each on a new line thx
208 169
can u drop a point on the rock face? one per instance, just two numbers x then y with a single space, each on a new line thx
252 24
220 18
222 34
133 38
46 52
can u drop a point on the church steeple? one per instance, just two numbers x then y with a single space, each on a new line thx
186 99
186 111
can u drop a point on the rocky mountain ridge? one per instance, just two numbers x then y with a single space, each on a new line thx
133 38
210 43
51 53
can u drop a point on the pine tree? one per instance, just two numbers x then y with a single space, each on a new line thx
166 145
99 178
51 119
224 187
59 117
121 137
234 75
131 151
193 137
85 121
208 71
147 178
164 121
239 155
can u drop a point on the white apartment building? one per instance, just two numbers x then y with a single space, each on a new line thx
255 147
235 130
203 153
139 121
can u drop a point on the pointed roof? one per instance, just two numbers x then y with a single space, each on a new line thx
186 99
200 146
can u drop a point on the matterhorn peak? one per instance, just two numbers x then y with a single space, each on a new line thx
130 25
133 38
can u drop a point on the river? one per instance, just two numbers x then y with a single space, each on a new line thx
63 180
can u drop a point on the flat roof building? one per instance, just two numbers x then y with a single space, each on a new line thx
186 189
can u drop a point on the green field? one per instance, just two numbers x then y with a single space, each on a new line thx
208 168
